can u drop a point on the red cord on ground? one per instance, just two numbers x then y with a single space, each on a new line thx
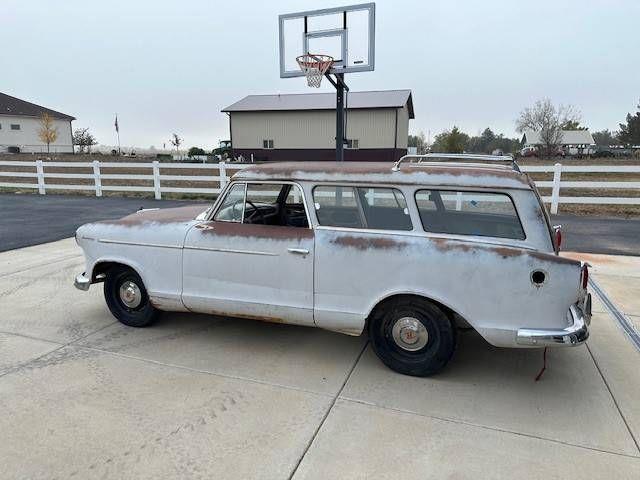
544 364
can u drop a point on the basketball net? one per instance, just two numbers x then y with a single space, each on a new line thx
314 67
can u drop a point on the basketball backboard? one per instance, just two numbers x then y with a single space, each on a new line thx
345 33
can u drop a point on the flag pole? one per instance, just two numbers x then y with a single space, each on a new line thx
118 132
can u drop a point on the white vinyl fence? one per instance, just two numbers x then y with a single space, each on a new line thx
557 184
206 173
218 173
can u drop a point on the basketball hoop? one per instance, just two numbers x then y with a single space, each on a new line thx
314 67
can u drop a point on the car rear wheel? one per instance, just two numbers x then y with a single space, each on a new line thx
127 298
413 337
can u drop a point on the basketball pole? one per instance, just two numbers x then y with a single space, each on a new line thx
340 87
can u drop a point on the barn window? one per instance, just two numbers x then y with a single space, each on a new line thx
15 126
353 143
267 143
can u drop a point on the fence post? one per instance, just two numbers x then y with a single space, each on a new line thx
223 174
40 173
555 192
156 180
96 177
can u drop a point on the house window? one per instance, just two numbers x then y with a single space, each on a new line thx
353 143
15 126
267 143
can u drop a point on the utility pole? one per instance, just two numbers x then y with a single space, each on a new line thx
340 117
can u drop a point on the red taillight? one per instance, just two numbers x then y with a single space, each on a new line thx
585 276
558 238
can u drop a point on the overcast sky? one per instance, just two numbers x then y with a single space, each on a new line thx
172 66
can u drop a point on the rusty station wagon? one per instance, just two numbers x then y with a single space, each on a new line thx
410 252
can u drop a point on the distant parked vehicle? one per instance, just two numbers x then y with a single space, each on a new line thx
529 152
603 151
622 152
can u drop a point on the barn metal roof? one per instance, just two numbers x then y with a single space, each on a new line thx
14 106
444 174
569 137
323 101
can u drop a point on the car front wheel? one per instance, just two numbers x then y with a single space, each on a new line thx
127 298
413 337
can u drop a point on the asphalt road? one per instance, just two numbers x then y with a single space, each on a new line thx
27 219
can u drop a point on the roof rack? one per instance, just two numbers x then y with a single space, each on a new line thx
459 156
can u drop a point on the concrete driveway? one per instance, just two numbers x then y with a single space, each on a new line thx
194 396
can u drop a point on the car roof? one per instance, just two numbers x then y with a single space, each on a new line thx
425 173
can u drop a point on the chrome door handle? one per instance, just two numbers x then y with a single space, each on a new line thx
298 251
204 226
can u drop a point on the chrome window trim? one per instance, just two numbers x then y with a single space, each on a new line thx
355 187
220 201
472 190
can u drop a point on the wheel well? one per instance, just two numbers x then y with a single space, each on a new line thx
455 318
100 269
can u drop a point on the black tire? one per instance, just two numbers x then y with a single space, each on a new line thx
424 361
140 315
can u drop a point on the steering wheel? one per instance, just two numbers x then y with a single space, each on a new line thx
256 211
233 207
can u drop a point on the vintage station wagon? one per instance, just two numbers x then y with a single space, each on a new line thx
409 252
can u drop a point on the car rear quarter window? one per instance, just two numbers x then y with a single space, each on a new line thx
484 214
361 207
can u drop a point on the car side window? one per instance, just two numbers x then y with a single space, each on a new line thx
276 204
231 209
485 214
385 209
361 207
337 206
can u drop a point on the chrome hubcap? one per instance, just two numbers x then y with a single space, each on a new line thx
410 334
130 294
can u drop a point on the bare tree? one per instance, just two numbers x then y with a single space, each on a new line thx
47 132
548 120
176 141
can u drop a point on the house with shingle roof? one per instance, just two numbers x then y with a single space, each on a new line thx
20 124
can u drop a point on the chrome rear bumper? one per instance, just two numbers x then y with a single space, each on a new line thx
81 282
570 336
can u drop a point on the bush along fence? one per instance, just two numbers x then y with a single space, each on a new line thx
96 171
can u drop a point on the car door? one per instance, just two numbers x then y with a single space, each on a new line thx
360 252
254 258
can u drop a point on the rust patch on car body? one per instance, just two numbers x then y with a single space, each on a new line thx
507 252
367 242
260 318
553 258
380 172
248 230
449 244
163 216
